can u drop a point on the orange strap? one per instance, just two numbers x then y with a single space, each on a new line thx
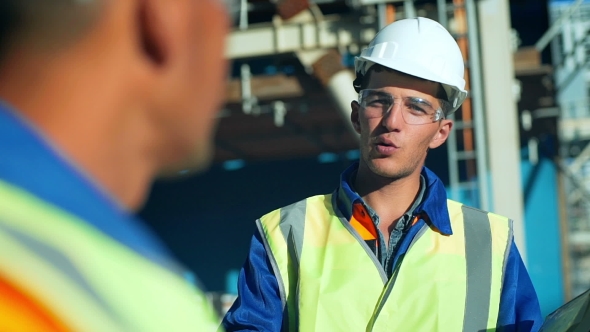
363 224
19 312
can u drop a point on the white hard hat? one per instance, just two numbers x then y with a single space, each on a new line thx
419 47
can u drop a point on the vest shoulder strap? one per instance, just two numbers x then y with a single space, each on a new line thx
487 237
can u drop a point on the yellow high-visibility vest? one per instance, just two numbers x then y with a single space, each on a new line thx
87 280
329 278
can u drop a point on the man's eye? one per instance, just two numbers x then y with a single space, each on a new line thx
378 102
416 108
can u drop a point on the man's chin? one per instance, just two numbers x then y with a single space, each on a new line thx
389 172
196 162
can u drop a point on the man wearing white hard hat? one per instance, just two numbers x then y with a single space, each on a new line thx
386 251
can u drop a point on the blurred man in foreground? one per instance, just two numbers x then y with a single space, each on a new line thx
96 98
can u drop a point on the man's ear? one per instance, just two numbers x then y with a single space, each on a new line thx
159 26
442 134
354 116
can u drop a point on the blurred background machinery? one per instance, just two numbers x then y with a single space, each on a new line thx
519 145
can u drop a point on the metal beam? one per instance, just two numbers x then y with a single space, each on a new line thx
556 27
265 88
575 128
580 160
443 16
283 37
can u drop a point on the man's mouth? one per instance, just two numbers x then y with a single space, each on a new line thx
386 143
385 146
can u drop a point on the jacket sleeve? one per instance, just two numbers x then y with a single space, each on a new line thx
519 305
258 306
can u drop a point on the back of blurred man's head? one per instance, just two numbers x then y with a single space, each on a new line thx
44 24
123 88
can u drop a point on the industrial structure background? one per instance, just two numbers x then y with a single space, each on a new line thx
519 146
570 50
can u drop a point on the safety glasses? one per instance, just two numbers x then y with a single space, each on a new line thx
415 111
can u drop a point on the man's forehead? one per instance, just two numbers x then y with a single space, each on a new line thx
395 80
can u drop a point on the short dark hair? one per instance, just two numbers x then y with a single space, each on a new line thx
44 24
362 81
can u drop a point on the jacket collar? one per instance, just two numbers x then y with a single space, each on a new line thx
433 203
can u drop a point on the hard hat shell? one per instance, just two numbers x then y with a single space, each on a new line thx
419 47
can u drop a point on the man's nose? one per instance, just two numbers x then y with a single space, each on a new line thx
393 119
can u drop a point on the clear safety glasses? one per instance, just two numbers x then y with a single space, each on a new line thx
415 111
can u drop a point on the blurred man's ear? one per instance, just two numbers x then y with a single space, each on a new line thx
184 43
160 29
174 34
151 32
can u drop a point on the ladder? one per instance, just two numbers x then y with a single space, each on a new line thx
466 146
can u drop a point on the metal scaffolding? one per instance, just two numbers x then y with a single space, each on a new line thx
310 32
570 47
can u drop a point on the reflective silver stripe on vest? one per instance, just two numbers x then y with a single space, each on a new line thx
292 226
478 254
62 263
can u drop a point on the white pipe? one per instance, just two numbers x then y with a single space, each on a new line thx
343 93
502 116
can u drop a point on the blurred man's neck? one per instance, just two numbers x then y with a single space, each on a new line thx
110 140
